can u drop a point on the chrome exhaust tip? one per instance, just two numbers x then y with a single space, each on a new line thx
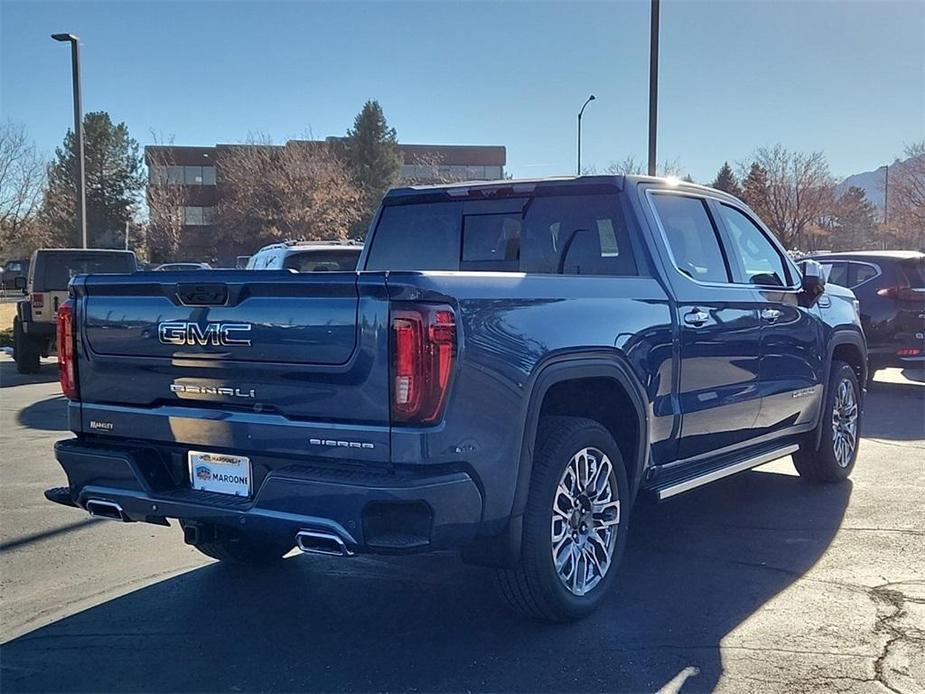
109 510
322 542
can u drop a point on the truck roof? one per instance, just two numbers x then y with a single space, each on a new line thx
529 185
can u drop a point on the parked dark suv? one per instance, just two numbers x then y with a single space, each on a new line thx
890 286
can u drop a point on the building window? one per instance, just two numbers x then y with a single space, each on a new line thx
192 175
159 174
198 216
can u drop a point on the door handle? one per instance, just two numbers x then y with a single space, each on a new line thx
696 317
770 314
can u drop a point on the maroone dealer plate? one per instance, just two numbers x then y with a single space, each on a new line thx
220 472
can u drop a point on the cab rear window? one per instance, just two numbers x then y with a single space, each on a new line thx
561 234
56 269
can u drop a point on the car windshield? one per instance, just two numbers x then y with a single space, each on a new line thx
323 261
61 267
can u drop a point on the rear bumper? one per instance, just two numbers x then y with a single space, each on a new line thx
370 510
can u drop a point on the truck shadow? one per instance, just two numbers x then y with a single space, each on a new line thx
695 568
49 414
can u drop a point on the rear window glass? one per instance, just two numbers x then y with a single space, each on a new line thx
838 273
58 268
323 261
914 272
563 234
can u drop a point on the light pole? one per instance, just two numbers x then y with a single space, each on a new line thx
580 113
78 133
653 84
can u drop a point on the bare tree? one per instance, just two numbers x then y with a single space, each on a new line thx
270 193
22 181
430 169
629 166
906 205
798 192
165 205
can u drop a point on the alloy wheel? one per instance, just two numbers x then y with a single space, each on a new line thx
585 520
844 423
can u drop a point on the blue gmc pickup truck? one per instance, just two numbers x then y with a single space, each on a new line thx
513 365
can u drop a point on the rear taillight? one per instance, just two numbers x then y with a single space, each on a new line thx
423 352
67 350
38 300
908 352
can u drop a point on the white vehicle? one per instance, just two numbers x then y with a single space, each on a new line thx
307 256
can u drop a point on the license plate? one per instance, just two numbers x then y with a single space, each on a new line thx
220 472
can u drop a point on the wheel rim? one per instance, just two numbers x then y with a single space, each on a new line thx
585 519
844 423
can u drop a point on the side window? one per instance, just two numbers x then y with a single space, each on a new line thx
577 235
691 237
838 273
759 261
860 273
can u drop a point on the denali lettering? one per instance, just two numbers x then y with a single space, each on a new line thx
213 390
185 333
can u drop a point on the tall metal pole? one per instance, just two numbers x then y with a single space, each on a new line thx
580 114
653 85
78 134
886 194
579 144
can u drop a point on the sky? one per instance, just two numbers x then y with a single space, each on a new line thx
845 77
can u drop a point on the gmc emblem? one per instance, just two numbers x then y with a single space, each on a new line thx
217 334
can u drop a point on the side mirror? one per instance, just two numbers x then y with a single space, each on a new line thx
19 282
813 277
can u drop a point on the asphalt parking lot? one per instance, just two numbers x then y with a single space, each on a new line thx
757 583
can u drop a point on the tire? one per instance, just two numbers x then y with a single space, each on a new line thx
26 351
536 587
243 551
834 459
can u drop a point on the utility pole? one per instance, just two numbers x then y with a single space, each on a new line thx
653 85
78 133
886 194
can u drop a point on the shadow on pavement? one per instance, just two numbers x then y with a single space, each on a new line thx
894 411
49 414
10 378
695 568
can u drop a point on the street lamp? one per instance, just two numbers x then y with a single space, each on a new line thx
589 100
78 133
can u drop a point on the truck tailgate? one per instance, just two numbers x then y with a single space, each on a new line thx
274 347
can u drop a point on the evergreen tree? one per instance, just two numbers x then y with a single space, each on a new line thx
855 221
756 190
726 181
372 155
113 184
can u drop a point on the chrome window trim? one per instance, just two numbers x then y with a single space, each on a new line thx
848 261
650 192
